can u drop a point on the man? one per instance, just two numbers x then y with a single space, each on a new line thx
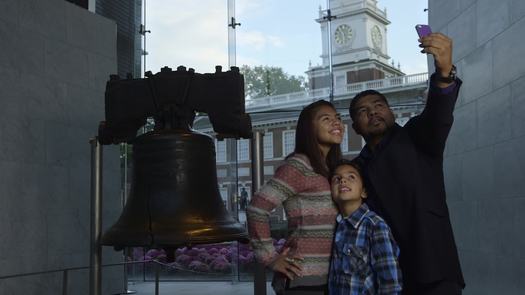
403 166
244 198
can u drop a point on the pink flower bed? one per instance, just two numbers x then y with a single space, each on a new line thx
204 258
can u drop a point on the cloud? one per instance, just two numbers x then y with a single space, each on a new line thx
414 68
202 59
258 40
276 41
248 60
183 12
247 7
183 33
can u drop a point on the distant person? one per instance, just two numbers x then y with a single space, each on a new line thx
403 170
364 253
301 186
244 198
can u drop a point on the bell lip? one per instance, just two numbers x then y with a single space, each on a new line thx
241 238
119 240
170 132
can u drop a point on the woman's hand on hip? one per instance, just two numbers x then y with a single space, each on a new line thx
289 265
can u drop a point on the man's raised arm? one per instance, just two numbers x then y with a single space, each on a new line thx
430 129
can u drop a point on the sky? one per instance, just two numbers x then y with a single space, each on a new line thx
280 33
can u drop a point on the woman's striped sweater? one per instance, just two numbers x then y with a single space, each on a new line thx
305 196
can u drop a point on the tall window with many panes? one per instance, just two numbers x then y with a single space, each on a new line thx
288 142
268 145
220 151
243 150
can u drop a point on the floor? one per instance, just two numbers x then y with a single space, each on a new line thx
195 288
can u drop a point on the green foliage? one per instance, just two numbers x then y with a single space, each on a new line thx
260 81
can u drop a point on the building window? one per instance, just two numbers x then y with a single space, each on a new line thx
243 171
268 145
222 172
344 143
243 151
288 142
220 151
340 81
268 170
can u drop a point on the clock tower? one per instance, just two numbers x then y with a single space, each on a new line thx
358 39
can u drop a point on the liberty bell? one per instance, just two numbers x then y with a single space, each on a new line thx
174 198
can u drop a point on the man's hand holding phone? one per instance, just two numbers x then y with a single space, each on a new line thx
439 45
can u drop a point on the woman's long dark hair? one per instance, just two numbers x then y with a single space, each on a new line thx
306 140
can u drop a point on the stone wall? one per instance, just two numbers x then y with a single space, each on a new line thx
55 60
485 155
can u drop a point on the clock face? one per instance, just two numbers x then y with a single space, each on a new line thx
377 38
343 34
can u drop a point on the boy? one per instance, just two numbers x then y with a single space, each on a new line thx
364 254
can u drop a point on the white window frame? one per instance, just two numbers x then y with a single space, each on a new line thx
268 145
243 149
284 135
220 151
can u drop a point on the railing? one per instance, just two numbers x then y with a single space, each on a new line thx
65 273
354 7
344 92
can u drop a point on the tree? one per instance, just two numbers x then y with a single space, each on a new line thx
260 81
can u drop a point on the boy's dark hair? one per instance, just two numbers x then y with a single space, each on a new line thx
357 97
354 163
306 141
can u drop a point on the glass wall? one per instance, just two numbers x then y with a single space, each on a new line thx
291 53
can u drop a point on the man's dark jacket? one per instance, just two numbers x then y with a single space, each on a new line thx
404 175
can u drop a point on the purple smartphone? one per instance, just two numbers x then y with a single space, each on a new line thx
423 30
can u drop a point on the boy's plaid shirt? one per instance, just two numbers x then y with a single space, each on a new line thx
364 256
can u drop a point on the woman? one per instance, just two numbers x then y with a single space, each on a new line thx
301 186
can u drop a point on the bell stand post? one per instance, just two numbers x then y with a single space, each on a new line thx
126 250
95 257
259 277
